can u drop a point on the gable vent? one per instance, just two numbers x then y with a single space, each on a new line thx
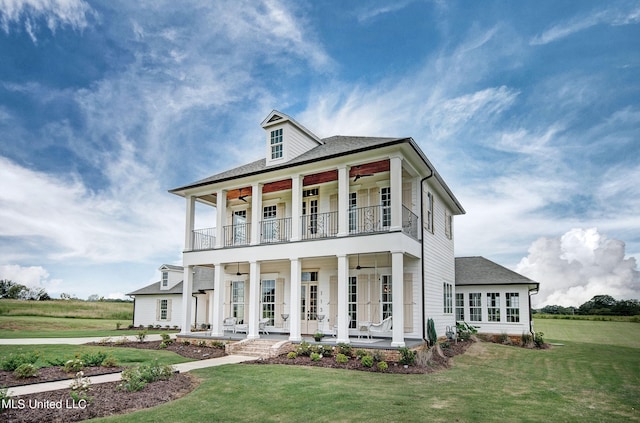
274 118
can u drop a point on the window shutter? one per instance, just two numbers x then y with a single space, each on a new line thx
279 300
376 311
158 310
333 202
333 300
363 198
168 309
408 302
363 297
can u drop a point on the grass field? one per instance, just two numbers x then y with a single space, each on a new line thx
595 376
73 309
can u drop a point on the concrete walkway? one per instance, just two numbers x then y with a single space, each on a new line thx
112 377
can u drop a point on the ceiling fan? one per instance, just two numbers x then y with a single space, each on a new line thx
242 197
358 267
360 175
238 273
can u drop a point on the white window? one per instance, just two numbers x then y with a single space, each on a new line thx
386 297
276 144
493 306
385 200
513 307
165 278
429 218
459 307
448 223
237 300
353 212
240 227
269 224
353 302
475 307
269 300
447 290
164 309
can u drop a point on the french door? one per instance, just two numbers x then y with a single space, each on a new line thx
309 303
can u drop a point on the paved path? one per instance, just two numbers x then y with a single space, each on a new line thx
113 377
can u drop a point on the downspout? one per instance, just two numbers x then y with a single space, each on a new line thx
424 317
133 319
535 291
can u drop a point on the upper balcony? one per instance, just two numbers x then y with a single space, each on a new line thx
361 221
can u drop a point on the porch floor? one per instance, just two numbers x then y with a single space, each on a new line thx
362 342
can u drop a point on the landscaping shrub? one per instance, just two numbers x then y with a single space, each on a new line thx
382 366
142 335
73 366
292 355
162 345
56 361
465 330
93 359
538 339
109 361
13 361
323 350
4 399
135 378
407 356
166 338
342 358
367 361
360 354
25 370
80 388
217 344
345 349
304 349
315 356
525 339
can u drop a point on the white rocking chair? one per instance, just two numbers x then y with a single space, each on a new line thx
383 328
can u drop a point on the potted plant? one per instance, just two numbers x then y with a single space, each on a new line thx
318 336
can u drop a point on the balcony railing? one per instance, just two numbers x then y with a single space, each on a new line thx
409 223
275 230
235 235
369 219
319 225
204 239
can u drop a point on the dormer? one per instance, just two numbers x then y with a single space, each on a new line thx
170 276
286 139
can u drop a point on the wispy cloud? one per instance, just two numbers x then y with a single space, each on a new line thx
610 16
54 13
372 11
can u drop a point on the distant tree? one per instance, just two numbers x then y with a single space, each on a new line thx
10 289
557 309
65 296
626 308
93 297
600 304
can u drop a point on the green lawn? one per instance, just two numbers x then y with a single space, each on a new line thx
584 380
69 308
125 356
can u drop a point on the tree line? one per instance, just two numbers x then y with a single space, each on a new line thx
604 305
17 291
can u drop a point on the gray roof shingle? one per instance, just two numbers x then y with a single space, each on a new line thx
202 281
481 271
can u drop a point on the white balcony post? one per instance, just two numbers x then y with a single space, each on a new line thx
256 213
190 217
187 290
397 280
254 299
294 301
217 305
221 216
396 193
343 201
343 310
296 202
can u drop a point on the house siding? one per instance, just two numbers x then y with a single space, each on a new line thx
147 310
439 262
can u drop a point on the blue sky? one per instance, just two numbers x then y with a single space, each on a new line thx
529 110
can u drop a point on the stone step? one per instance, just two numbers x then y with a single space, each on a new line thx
264 348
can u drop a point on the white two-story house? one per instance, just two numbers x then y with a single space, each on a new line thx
324 234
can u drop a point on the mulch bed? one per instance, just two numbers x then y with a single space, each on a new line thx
106 400
50 374
435 363
190 351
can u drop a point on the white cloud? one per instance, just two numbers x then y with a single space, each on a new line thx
56 13
578 265
608 17
373 11
29 276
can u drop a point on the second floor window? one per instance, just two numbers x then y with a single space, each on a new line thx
429 217
447 289
276 144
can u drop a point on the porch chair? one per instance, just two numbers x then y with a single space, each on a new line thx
262 325
381 329
229 324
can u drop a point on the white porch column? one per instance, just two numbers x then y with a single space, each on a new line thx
256 213
397 280
296 202
294 301
343 201
217 305
188 227
254 299
221 216
187 290
396 193
343 309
